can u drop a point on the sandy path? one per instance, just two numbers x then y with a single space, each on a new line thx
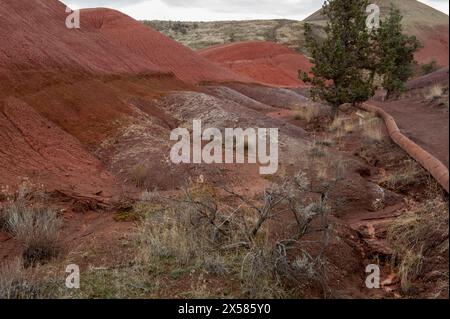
426 125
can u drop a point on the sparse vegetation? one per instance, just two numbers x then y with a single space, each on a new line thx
409 175
36 226
16 282
327 142
430 67
342 125
201 35
420 238
198 232
318 152
140 176
373 129
435 92
307 113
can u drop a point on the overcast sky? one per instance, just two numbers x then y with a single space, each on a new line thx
210 10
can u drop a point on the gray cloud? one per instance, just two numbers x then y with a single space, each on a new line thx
277 7
217 9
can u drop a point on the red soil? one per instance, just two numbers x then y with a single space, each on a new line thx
266 62
424 123
80 83
435 45
34 37
154 47
60 87
35 149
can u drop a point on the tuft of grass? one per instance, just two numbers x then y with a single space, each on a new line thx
139 176
409 175
373 129
138 212
420 237
258 274
16 282
37 229
328 167
124 281
318 152
328 142
435 92
410 268
169 238
307 112
342 126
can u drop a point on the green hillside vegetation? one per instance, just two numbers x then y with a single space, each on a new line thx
198 35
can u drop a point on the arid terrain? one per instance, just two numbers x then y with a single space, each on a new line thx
428 25
86 177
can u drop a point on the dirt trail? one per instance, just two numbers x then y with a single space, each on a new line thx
423 123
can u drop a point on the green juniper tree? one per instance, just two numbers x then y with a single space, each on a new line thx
343 65
395 53
347 61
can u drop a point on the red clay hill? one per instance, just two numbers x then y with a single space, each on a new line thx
154 47
63 92
265 62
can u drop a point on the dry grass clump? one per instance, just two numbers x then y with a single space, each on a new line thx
307 112
328 167
409 175
36 226
140 176
342 125
373 129
318 152
16 282
419 238
369 125
170 236
257 274
435 92
38 230
185 230
326 141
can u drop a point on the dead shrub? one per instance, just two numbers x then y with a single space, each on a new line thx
185 230
197 230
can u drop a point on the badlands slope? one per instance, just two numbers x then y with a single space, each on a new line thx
265 62
154 47
64 93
